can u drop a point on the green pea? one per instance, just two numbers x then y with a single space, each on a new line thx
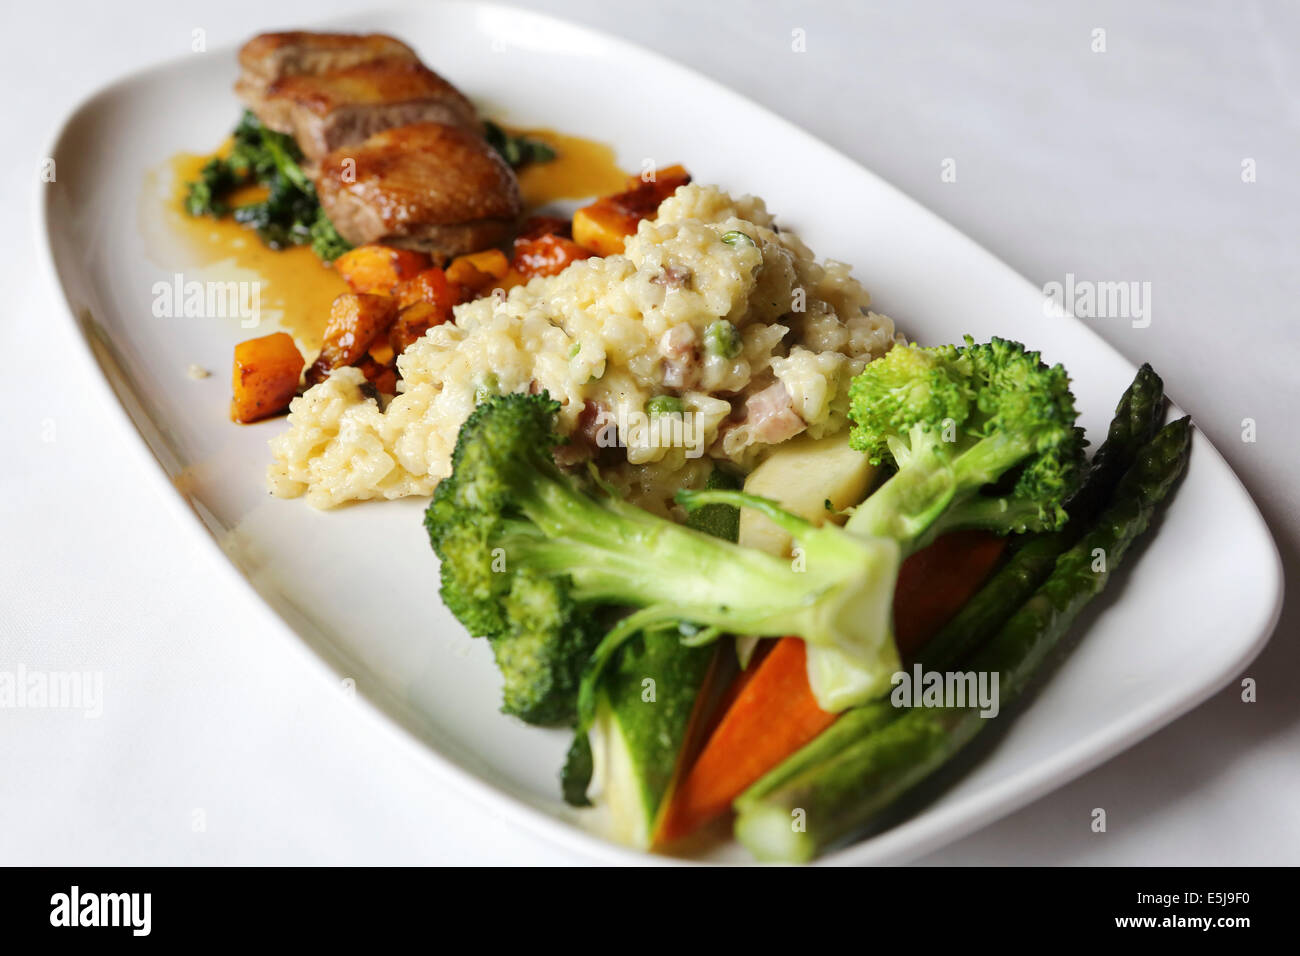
722 338
664 405
735 236
490 386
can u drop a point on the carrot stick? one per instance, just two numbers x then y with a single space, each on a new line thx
770 711
936 582
772 716
741 681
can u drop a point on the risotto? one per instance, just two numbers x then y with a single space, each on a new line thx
715 335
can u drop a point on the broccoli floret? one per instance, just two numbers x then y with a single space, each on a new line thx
540 637
982 436
547 639
537 561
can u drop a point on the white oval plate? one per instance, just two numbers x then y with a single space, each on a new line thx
360 584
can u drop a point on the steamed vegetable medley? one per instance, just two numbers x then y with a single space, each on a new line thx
741 662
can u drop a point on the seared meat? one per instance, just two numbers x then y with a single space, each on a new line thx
430 186
680 348
585 442
273 56
396 151
330 110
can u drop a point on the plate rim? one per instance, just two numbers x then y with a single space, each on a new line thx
919 834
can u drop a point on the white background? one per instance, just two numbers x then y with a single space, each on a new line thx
1122 165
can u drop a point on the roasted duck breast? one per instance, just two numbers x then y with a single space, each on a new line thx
429 186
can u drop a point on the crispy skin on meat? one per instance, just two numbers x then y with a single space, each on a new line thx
425 186
271 56
330 110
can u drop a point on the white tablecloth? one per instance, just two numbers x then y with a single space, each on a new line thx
220 744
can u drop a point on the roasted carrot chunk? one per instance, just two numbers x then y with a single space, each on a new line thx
545 256
432 286
478 271
356 320
382 376
604 226
264 377
376 268
413 321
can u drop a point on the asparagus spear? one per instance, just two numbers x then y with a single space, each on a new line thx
1137 416
839 798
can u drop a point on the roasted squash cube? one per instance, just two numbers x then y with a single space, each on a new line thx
264 377
431 285
546 255
412 322
382 376
376 268
478 271
604 226
356 320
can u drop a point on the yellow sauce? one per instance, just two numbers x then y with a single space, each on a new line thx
296 288
581 168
